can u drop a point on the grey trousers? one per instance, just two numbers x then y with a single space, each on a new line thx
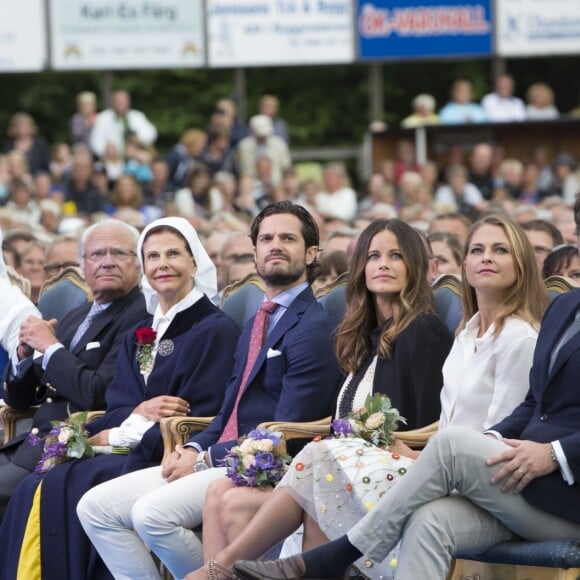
10 476
446 504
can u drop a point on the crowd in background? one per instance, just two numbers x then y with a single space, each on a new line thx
220 176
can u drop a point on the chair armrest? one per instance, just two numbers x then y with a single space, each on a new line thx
300 430
417 438
91 415
10 416
176 430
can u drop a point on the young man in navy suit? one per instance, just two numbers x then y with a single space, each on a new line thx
74 374
519 479
294 378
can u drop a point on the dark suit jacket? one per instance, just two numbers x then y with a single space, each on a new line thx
298 385
551 410
77 378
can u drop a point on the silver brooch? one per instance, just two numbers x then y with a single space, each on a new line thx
166 347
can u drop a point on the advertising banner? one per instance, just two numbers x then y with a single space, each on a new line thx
423 29
537 27
126 34
22 36
279 32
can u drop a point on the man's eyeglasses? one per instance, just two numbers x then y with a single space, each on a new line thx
116 254
53 269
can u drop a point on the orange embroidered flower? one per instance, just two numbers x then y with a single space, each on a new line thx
396 456
299 466
317 438
349 487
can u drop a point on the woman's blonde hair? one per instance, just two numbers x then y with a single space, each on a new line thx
353 334
526 298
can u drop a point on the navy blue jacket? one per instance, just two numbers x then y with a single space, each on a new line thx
551 410
297 385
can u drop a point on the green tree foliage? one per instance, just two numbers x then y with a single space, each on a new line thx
323 105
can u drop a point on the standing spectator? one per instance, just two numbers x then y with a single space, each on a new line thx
262 142
113 125
461 108
79 188
82 122
218 153
338 201
481 169
225 116
541 106
544 237
23 136
510 175
269 106
378 191
501 105
423 113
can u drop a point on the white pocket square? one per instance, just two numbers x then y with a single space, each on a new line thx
91 345
273 353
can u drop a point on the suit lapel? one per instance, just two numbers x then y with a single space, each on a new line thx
289 319
567 350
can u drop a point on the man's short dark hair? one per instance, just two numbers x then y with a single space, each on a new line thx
539 225
309 228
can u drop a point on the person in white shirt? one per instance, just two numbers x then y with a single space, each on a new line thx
501 105
114 124
339 200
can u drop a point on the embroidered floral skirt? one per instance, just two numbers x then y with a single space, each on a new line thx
337 481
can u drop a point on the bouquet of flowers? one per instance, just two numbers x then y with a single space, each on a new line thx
66 440
259 460
376 422
145 339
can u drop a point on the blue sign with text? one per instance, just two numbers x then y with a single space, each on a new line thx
417 29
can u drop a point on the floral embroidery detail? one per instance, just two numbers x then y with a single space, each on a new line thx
145 340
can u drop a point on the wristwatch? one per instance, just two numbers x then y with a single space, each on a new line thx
200 464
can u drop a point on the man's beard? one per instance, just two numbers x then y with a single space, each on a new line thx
279 278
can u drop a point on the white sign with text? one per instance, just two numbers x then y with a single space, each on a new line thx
22 36
126 34
537 27
279 32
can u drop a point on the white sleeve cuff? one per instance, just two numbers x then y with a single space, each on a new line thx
49 352
130 432
563 462
496 434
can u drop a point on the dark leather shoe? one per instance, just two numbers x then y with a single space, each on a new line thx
285 569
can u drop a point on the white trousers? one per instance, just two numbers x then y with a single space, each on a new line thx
125 516
435 525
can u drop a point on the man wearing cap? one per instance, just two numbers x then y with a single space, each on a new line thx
263 143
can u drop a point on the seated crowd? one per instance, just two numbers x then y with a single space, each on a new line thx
159 239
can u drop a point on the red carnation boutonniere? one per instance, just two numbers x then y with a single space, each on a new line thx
145 340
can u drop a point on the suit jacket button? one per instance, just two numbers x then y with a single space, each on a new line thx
544 418
48 400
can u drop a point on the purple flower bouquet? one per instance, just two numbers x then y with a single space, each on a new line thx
66 440
376 422
259 460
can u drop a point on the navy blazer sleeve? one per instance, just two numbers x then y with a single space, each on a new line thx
298 385
81 378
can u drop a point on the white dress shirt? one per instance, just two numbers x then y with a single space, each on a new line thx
485 378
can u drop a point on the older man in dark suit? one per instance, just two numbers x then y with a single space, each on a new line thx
285 370
77 355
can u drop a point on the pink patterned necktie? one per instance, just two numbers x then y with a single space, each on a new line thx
230 431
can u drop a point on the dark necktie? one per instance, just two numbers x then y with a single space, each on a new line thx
257 336
95 310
